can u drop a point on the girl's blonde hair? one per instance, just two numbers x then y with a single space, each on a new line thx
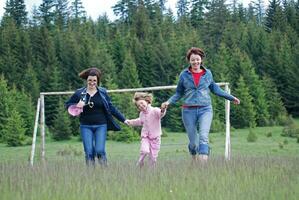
148 97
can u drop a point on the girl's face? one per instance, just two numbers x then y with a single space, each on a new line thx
195 61
141 105
92 82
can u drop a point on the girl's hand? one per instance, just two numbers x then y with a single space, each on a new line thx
127 122
163 110
236 101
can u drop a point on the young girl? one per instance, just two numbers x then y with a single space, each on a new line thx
150 120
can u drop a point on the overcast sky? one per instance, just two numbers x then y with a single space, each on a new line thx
94 8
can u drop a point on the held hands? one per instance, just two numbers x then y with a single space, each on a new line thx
127 122
164 106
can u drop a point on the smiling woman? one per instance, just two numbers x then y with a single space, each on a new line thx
96 111
194 86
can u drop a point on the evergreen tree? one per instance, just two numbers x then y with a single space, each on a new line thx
244 68
61 124
46 12
45 57
276 108
291 13
161 58
251 13
275 20
289 87
24 106
125 9
144 64
69 57
24 51
243 116
15 53
87 41
141 22
221 63
10 49
128 76
14 130
61 13
52 102
77 9
281 59
6 105
102 28
78 14
255 45
162 5
182 8
118 51
259 11
104 60
241 14
16 9
216 20
197 12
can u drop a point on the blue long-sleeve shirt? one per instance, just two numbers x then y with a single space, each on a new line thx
197 95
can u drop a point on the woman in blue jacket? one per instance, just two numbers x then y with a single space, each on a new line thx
194 86
96 115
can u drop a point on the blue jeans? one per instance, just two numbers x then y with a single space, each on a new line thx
94 141
197 122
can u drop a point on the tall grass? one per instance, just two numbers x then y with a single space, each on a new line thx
243 178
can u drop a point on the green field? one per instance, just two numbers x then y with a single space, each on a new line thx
265 169
173 146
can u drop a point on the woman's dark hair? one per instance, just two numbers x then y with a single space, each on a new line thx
93 71
195 50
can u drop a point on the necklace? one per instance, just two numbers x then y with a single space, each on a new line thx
90 103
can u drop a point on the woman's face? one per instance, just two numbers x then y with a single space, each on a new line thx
92 82
195 61
141 105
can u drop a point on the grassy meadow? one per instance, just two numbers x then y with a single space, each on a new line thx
265 169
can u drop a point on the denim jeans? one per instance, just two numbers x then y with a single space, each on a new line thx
94 141
197 122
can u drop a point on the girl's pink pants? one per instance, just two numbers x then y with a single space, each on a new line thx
150 147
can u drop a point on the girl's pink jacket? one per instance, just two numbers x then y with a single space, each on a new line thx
150 120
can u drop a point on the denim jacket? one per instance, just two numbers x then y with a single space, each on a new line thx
197 95
110 110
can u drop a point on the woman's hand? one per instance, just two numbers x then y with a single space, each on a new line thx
80 104
236 101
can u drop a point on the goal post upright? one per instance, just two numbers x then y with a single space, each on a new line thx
42 126
227 153
35 132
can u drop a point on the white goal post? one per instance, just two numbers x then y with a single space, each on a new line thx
40 115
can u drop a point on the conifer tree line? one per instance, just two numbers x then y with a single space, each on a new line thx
254 48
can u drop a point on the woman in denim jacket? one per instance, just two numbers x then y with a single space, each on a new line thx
94 106
194 86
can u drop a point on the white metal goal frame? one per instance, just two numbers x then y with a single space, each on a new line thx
40 116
